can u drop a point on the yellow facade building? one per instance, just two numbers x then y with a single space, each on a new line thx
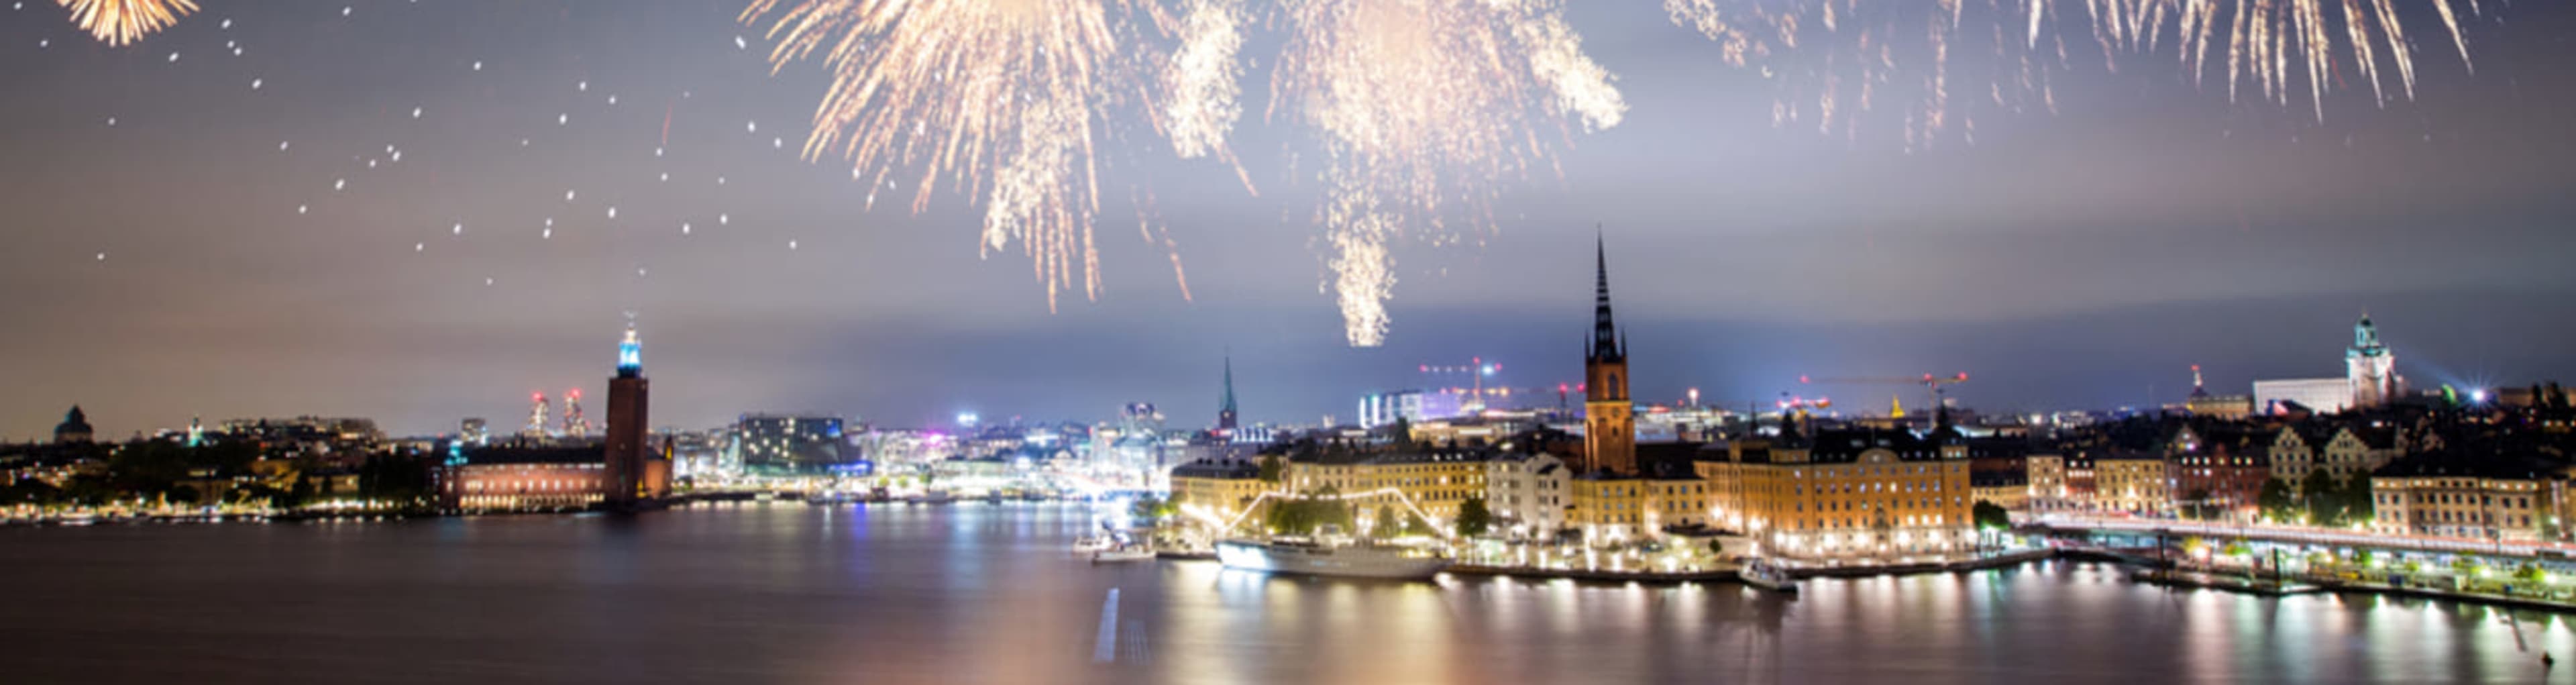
1845 494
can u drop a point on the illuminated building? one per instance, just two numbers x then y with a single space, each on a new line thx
536 427
2293 449
527 478
2319 395
1223 488
1436 481
778 444
1607 509
74 429
2047 478
474 431
2202 403
575 424
2370 367
2137 482
1412 406
1845 494
1609 428
2221 467
628 451
2486 492
1527 493
2356 450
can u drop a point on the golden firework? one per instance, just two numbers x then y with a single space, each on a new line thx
999 98
1835 59
1422 106
119 22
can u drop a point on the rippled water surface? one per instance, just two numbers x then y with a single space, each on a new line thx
976 593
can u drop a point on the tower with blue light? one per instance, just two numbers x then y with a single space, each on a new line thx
626 440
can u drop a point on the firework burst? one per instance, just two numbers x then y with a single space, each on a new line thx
120 22
999 98
1836 59
1422 106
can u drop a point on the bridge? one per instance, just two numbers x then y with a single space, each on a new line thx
2303 537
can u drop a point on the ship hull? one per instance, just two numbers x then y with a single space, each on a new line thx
1345 562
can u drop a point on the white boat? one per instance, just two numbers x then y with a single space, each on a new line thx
1347 560
1124 553
1765 576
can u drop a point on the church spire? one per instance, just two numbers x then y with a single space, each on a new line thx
1605 332
1225 412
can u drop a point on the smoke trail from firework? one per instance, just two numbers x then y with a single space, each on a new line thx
120 22
995 97
1838 59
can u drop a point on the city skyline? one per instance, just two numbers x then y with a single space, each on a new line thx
2077 260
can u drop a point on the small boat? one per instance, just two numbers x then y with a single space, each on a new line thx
1309 557
1763 575
1089 545
1122 553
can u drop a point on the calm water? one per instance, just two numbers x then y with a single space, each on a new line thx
977 593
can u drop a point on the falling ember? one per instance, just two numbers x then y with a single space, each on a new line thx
999 97
1946 62
1424 107
120 22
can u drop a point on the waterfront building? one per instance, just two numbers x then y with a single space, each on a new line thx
2047 478
2220 467
2489 492
527 477
1527 491
74 429
1609 423
1845 493
1221 489
1999 471
2294 449
786 444
2134 481
1433 480
1608 508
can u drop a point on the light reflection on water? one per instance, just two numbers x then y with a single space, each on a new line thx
972 592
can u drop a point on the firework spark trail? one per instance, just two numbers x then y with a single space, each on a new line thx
995 97
1422 104
120 22
2269 48
1203 80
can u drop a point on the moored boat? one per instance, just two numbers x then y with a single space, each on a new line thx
1764 575
1344 560
1122 553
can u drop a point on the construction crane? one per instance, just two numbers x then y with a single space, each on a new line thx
1933 384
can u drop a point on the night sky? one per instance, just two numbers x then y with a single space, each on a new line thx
158 267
